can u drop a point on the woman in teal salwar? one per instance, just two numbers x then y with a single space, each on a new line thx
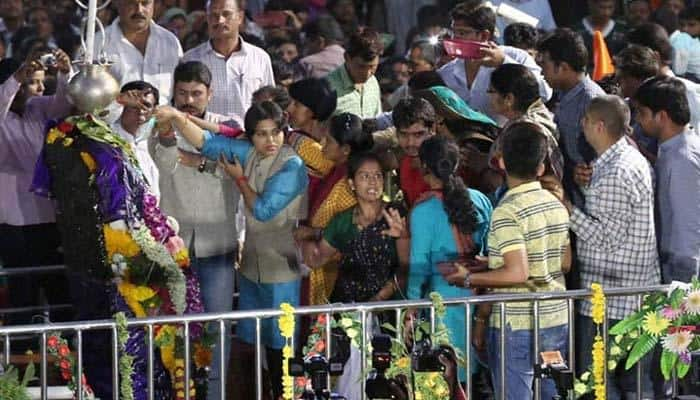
447 222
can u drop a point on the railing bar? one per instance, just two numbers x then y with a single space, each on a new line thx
536 348
150 362
572 333
187 361
115 363
43 367
258 359
328 345
7 349
31 270
373 307
432 320
399 323
639 364
363 352
222 358
502 361
79 375
467 347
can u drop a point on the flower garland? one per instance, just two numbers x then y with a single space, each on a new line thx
57 346
126 361
286 324
598 316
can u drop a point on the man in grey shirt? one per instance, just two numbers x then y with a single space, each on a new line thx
663 113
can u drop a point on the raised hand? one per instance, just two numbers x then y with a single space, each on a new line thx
397 224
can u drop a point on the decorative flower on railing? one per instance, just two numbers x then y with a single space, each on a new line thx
671 318
57 346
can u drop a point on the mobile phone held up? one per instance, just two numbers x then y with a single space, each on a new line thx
466 49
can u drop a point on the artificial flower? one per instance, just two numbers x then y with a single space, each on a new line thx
403 362
671 313
53 135
654 324
692 302
677 342
65 127
120 242
597 303
67 142
202 355
88 161
52 341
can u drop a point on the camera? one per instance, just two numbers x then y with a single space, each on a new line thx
426 358
48 60
554 367
317 368
377 385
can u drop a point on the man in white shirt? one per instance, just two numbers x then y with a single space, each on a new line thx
470 79
133 126
140 49
238 68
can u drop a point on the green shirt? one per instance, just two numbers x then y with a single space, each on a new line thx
365 103
531 218
341 230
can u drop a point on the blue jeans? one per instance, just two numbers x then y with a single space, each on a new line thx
621 384
216 280
519 360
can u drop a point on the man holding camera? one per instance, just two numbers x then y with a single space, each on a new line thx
27 222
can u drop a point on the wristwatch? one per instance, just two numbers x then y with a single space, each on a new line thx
202 165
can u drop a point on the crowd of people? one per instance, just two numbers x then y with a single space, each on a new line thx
319 151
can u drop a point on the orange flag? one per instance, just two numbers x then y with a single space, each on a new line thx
602 62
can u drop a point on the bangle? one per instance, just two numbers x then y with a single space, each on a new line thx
241 180
467 280
202 165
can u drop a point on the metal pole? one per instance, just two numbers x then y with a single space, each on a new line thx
328 345
639 364
149 374
79 377
7 349
43 368
572 334
187 361
502 361
115 364
536 317
222 357
90 34
467 347
258 360
363 352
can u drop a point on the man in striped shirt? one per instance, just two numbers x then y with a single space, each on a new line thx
528 252
616 243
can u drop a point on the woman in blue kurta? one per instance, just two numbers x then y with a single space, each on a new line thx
272 180
449 210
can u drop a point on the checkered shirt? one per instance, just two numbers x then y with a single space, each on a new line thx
616 238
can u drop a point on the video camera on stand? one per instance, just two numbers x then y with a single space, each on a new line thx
554 367
317 368
377 385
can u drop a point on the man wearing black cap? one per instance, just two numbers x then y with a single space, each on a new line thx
323 50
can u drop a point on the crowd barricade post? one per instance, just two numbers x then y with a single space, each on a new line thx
365 310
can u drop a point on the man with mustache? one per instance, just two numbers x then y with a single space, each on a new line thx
238 68
203 201
140 49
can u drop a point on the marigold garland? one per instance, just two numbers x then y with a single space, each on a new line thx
598 315
286 324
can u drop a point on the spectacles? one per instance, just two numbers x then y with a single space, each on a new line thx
367 177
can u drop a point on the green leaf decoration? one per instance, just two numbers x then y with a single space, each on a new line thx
682 369
628 324
389 327
644 344
676 298
668 362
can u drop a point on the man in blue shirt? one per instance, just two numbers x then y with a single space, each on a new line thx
563 57
663 113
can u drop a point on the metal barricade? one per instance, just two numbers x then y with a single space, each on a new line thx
364 310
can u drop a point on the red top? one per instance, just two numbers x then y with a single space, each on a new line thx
411 180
